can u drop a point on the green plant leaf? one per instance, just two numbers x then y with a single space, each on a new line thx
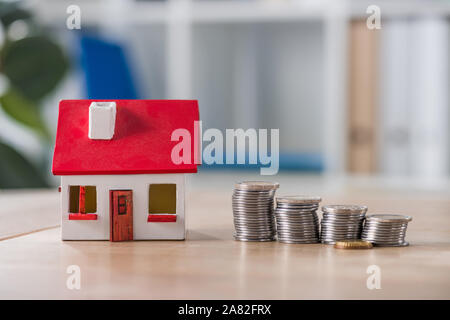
10 12
34 65
16 171
23 111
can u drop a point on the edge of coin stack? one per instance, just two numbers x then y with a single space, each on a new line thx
297 220
253 205
386 230
341 222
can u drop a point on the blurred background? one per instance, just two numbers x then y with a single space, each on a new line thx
348 100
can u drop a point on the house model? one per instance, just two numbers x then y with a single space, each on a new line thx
118 180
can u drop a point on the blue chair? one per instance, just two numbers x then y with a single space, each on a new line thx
107 73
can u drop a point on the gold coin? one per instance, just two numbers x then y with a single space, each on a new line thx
353 244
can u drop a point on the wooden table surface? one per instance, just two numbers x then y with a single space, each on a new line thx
211 265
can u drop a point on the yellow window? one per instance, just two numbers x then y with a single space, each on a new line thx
162 198
90 199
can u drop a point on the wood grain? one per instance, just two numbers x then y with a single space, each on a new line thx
121 215
211 265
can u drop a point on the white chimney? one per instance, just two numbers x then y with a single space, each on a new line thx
102 120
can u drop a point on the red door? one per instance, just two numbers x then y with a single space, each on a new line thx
121 213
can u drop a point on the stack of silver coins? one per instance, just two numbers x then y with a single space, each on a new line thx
253 205
387 230
297 220
341 222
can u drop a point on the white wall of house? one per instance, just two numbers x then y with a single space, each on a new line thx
142 230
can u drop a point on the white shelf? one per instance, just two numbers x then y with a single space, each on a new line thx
228 11
94 12
256 11
178 17
400 8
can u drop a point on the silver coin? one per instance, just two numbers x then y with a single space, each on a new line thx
403 244
338 221
298 239
297 220
342 217
259 233
341 228
260 218
256 186
266 198
383 234
300 199
249 206
297 242
310 226
340 237
386 229
389 218
335 233
262 212
284 230
295 207
255 240
340 224
253 212
294 217
383 240
383 226
297 230
295 223
255 232
255 235
344 209
254 225
253 222
253 217
386 226
245 227
249 202
297 236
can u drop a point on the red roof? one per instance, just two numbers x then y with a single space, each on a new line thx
141 142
